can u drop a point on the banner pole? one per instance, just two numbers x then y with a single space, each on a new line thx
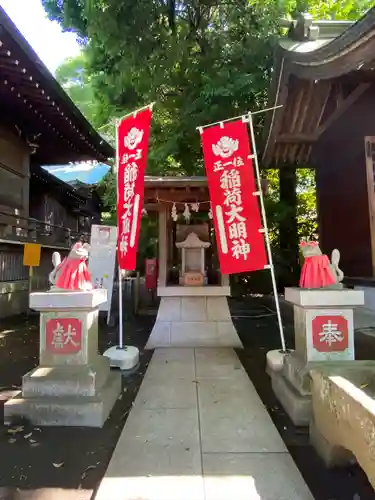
136 111
121 337
120 303
268 245
201 127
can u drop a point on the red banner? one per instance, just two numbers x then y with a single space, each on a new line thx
234 204
132 146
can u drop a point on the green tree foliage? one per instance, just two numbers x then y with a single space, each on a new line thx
74 77
200 60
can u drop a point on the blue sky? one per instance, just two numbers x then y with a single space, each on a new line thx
46 37
84 172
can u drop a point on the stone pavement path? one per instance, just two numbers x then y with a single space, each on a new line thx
199 431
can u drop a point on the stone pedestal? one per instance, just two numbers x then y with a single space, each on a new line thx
194 317
73 385
324 335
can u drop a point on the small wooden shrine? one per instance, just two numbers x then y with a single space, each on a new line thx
193 309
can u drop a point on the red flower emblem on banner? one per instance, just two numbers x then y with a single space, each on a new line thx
132 146
234 198
63 335
330 333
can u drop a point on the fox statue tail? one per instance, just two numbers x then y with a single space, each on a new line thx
335 260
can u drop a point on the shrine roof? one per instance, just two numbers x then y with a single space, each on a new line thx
36 106
311 63
175 181
175 189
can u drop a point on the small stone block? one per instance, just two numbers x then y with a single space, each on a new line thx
125 359
275 361
218 309
227 335
194 334
160 335
169 309
299 408
297 371
193 309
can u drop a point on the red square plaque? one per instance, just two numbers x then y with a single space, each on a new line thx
63 335
330 333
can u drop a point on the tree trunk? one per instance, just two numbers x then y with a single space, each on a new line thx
288 231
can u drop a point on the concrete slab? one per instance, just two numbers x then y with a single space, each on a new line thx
224 393
157 457
234 420
158 442
173 354
165 369
177 393
217 363
163 452
150 487
253 476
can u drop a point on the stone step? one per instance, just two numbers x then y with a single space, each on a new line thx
69 381
91 411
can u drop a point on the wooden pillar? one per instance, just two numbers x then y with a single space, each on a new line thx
170 224
288 231
163 245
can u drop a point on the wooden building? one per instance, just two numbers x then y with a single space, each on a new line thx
39 125
324 79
